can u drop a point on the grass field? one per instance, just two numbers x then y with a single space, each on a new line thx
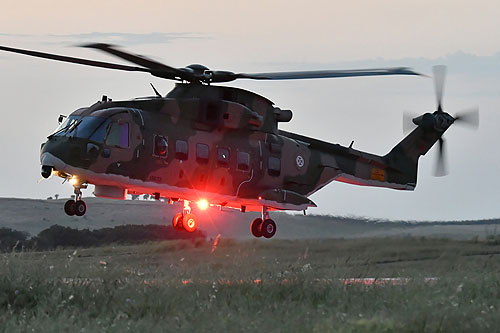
259 285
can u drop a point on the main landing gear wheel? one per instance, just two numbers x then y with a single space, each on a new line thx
177 221
69 207
268 228
255 227
189 222
185 220
263 227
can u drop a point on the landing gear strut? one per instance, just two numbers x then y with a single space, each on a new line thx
263 227
76 207
185 220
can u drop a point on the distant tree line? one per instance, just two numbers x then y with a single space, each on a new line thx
365 220
58 236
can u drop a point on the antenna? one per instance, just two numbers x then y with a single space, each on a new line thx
156 91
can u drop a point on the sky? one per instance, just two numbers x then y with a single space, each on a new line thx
264 36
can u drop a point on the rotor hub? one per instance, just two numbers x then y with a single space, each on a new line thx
442 121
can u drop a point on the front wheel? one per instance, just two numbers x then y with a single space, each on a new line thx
80 208
69 207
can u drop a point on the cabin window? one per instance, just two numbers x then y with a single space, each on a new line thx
118 135
243 161
202 153
160 146
274 166
181 150
223 157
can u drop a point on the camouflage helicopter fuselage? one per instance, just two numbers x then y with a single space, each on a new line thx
220 144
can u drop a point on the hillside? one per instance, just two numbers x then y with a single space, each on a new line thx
35 215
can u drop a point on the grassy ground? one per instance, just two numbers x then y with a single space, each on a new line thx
256 285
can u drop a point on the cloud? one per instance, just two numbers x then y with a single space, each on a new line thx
15 35
129 38
121 38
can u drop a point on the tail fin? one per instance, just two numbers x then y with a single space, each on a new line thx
403 158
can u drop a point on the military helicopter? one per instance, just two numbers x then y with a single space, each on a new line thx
207 144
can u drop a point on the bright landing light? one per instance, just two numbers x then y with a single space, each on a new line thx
202 204
73 180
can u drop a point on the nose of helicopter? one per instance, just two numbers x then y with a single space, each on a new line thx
60 152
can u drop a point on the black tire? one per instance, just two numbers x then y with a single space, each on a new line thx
176 220
268 228
69 207
255 227
80 208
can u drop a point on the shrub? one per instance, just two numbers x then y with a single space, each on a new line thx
12 239
58 236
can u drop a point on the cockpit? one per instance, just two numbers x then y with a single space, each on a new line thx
96 129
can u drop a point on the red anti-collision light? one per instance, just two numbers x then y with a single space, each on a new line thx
202 204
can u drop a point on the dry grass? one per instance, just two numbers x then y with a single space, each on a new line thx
254 286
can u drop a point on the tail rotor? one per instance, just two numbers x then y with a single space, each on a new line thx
439 121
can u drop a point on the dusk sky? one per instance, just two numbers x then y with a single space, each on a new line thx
264 36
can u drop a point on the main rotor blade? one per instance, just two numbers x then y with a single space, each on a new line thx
188 74
73 60
441 160
299 75
439 78
157 68
468 117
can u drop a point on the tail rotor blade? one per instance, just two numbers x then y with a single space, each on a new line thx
439 73
468 117
441 169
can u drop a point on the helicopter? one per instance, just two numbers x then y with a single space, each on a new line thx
215 145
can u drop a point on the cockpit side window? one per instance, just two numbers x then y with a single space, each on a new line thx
99 133
118 135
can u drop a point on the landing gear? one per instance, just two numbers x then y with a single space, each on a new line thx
69 207
255 227
76 207
189 222
263 227
177 221
185 220
80 208
268 228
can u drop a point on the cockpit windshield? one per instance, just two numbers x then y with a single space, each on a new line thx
64 126
92 128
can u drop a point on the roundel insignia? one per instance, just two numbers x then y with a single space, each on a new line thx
300 161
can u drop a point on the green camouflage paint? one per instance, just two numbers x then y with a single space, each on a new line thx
283 168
